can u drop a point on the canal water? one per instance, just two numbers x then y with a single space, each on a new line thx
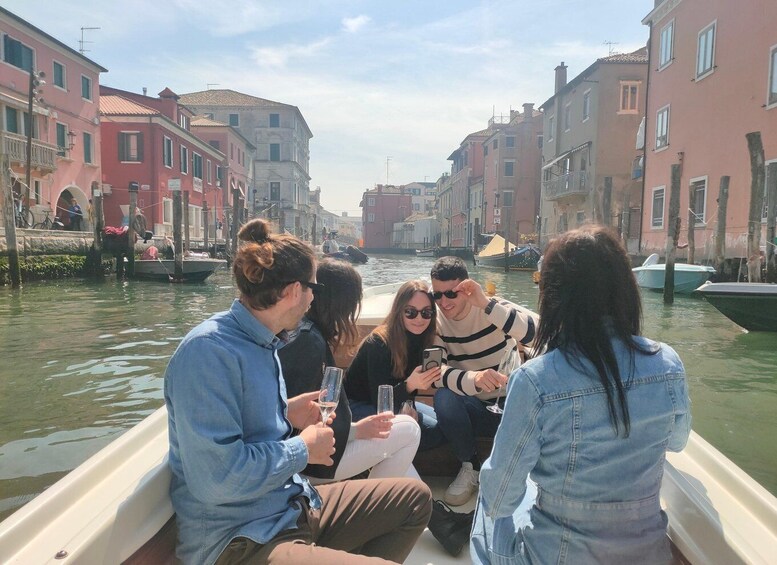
83 362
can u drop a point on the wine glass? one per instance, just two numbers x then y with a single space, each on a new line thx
507 365
330 391
385 403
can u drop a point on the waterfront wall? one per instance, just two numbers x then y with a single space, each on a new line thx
49 242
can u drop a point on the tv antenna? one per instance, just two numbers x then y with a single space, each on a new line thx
609 45
82 42
388 159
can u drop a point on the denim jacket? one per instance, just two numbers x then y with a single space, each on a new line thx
597 493
233 459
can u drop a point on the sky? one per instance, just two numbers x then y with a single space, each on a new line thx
388 88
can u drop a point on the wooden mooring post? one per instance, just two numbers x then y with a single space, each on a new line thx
205 227
99 224
771 220
14 268
186 220
691 234
177 241
757 173
720 234
131 236
607 202
672 235
237 215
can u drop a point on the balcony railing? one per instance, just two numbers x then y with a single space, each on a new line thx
566 185
44 155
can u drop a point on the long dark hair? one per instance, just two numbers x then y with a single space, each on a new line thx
266 263
588 295
336 306
392 330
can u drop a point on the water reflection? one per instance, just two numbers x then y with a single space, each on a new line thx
84 361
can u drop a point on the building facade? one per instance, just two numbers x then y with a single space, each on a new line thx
467 166
382 207
713 79
589 147
151 144
281 161
65 127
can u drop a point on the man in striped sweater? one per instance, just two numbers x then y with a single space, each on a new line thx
475 332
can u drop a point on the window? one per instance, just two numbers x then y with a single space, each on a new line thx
699 193
540 139
371 201
59 75
17 53
773 76
219 175
197 166
167 152
580 217
662 127
183 120
62 145
485 150
275 191
26 118
167 211
370 217
496 144
184 160
705 54
509 166
215 144
551 127
416 207
657 214
234 120
586 105
629 92
209 171
35 191
510 141
11 120
507 198
130 146
87 147
666 50
275 152
568 117
86 88
275 120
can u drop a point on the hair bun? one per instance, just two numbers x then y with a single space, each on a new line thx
257 230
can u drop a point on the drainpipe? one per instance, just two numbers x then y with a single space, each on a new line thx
645 143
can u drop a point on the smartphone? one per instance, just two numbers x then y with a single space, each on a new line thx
432 358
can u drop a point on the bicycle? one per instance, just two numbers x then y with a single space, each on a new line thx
23 216
47 223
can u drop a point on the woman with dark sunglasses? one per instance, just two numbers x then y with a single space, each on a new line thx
392 354
381 443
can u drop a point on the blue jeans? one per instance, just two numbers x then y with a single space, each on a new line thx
462 419
431 435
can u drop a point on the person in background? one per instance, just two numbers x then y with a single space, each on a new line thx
139 224
234 458
75 215
392 355
475 333
379 443
590 420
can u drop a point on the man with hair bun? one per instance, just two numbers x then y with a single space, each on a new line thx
234 454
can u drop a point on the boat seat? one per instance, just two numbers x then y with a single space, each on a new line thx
159 550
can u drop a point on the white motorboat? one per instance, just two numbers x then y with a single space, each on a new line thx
195 269
751 305
687 277
116 507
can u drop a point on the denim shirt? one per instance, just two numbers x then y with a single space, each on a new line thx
597 493
234 461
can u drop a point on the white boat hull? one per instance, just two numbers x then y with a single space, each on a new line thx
687 278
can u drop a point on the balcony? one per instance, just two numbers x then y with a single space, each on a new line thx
44 155
566 185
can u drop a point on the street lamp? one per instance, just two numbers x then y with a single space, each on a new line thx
36 81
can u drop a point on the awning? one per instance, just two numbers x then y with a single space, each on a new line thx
566 154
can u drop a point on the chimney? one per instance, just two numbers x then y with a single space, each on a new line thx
561 76
528 111
145 90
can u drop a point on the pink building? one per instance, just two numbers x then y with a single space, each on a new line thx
148 141
713 79
511 177
65 161
382 207
466 170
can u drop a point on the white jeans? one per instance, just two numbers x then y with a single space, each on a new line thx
390 457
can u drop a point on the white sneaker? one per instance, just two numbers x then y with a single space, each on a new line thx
463 486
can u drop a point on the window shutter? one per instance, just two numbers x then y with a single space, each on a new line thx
140 147
122 147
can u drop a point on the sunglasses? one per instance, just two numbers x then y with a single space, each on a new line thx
447 294
314 287
412 313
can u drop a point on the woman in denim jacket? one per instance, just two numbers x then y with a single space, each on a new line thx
589 421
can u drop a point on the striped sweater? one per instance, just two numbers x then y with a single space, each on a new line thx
479 341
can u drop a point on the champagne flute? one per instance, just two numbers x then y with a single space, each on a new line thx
507 365
330 391
385 403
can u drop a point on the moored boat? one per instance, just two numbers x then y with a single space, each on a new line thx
115 506
428 252
195 269
523 258
687 277
750 305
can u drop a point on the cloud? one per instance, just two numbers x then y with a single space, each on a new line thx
352 25
279 56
